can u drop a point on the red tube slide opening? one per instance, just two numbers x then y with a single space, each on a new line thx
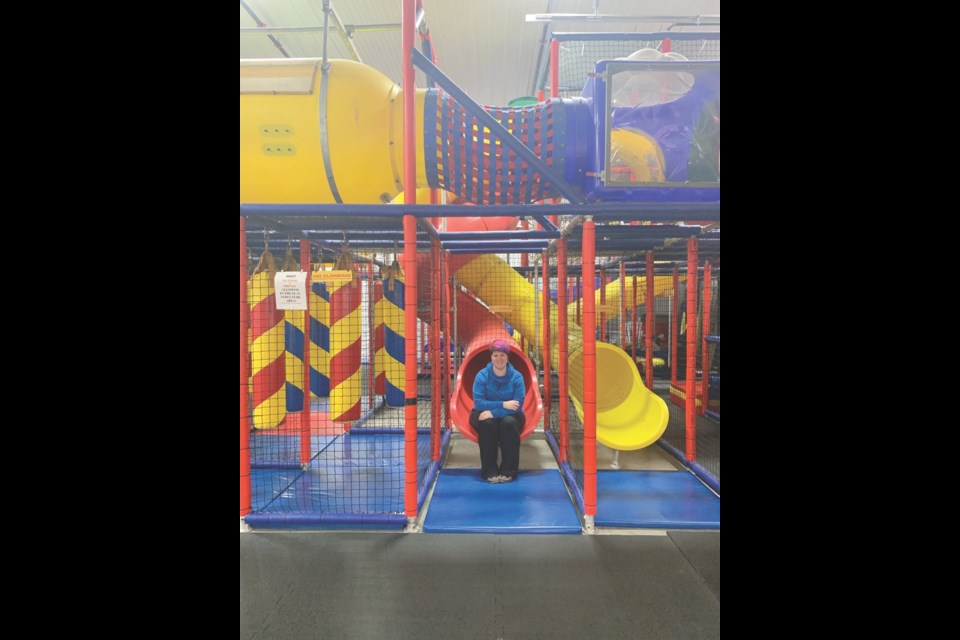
478 327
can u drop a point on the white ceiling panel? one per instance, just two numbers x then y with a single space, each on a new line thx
485 46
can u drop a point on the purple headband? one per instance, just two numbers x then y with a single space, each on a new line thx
500 345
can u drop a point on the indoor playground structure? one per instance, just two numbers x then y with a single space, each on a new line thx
389 234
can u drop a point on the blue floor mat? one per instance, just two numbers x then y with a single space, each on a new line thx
655 499
357 474
536 502
269 449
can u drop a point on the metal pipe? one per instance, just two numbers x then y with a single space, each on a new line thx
429 228
497 246
639 36
344 36
256 18
695 20
546 223
383 26
649 211
326 34
497 235
349 29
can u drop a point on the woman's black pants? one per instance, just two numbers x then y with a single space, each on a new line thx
502 433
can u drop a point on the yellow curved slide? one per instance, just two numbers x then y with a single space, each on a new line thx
629 416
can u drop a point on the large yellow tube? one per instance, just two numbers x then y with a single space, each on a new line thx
281 153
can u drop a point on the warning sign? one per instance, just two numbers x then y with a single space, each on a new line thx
291 289
339 276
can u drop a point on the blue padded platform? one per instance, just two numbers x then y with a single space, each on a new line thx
536 502
656 500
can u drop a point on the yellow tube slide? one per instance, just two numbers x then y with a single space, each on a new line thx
629 416
662 285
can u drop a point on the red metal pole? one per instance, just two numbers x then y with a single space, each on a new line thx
623 306
554 68
648 324
245 507
435 367
633 333
705 366
690 402
589 372
408 23
562 354
675 329
305 452
545 341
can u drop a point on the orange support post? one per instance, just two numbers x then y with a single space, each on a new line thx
648 325
408 23
545 340
705 354
589 371
245 507
690 402
305 452
562 355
